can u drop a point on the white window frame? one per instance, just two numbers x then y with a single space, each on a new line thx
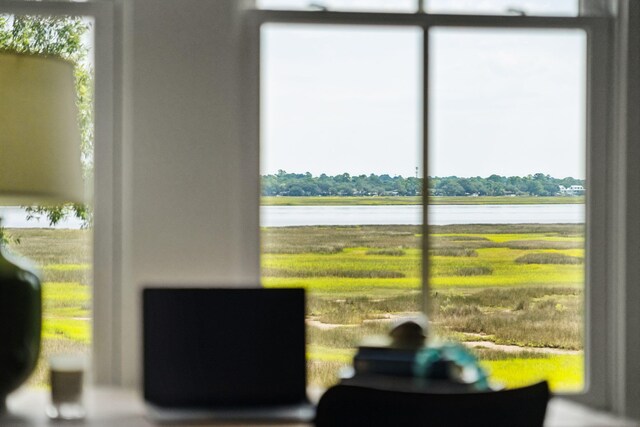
107 199
599 285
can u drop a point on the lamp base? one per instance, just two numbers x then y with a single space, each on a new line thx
20 323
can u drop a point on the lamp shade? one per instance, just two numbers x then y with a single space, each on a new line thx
39 133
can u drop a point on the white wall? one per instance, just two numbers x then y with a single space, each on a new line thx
190 187
190 202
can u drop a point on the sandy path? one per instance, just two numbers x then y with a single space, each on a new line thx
517 349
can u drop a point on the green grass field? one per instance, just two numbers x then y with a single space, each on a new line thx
64 258
514 291
415 200
516 287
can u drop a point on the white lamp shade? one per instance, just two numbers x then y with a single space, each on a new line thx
39 134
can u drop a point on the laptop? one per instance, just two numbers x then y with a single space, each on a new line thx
225 354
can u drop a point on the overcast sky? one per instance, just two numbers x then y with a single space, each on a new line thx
349 99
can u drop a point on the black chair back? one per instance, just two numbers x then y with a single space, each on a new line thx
354 406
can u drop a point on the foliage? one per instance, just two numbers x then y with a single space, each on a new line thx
305 184
60 37
415 200
296 185
549 258
537 184
340 201
6 238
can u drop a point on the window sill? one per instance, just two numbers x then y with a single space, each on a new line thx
115 406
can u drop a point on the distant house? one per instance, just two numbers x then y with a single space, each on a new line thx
574 190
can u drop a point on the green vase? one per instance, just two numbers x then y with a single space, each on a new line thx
20 323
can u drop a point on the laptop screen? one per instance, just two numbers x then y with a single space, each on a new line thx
219 348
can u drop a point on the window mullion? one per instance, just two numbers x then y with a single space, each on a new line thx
426 303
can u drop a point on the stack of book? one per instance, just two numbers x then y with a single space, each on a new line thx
384 360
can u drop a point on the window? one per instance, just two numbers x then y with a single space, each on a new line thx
466 7
464 43
332 100
506 212
509 7
60 249
77 293
342 5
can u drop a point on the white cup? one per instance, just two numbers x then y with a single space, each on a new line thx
66 373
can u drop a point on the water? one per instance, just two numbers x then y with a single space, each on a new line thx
284 216
15 217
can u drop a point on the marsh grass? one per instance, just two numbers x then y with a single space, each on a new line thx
324 373
357 309
502 298
489 354
543 244
474 271
535 317
64 258
66 300
344 337
49 246
563 372
548 258
479 229
350 273
352 263
479 290
359 274
80 273
293 240
455 252
273 248
387 251
438 243
463 238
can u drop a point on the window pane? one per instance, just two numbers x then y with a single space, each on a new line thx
62 252
506 206
342 5
341 149
505 7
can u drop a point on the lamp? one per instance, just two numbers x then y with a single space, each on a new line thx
39 164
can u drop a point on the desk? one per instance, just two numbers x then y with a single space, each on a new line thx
112 407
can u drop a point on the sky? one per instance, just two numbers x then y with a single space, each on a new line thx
341 99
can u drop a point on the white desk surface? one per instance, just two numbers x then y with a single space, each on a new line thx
119 407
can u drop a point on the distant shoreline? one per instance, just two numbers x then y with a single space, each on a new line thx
416 200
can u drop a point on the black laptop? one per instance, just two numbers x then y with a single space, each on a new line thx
228 354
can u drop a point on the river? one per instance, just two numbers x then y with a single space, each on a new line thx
15 217
284 216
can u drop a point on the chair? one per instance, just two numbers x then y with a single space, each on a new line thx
353 406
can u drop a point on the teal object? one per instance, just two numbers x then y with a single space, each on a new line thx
20 323
450 362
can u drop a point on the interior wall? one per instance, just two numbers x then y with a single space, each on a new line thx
626 377
188 192
190 195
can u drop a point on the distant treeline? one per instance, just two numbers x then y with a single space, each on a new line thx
305 184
